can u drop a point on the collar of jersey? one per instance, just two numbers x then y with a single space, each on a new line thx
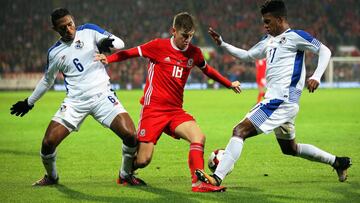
175 47
282 33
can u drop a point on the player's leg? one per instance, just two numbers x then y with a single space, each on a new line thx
245 129
54 134
190 131
261 119
285 135
148 133
123 126
142 159
144 155
110 112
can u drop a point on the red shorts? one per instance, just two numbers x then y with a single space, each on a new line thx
153 122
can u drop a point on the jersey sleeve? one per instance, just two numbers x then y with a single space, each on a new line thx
51 70
304 41
150 49
255 52
258 51
199 60
99 34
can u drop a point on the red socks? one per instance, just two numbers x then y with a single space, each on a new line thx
196 159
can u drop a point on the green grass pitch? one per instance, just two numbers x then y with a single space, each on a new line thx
88 160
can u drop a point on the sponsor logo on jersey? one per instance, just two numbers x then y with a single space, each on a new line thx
190 62
79 44
142 132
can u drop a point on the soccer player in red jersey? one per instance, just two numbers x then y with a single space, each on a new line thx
260 77
170 63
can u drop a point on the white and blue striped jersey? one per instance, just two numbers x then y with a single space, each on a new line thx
83 76
285 61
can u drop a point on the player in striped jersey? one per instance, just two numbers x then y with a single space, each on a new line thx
285 76
170 63
88 93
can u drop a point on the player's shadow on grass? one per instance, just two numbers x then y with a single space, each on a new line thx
244 194
79 196
18 153
166 195
240 195
348 191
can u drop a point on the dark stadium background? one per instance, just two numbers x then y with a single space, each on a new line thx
26 32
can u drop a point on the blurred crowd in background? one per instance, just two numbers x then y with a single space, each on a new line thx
26 30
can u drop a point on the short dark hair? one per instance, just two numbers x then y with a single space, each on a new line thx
58 13
276 7
184 21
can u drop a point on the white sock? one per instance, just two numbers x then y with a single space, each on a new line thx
49 162
231 155
313 153
128 155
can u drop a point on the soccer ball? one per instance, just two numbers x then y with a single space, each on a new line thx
215 158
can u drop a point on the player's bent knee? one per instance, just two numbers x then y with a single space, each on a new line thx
199 139
48 146
142 162
240 131
130 139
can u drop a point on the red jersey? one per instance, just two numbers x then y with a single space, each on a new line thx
168 71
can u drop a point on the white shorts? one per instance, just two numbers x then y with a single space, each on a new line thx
275 115
103 107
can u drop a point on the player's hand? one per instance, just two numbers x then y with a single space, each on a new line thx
102 58
21 108
105 44
235 86
215 36
312 85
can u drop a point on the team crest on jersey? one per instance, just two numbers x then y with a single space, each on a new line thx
79 44
190 62
63 108
142 132
283 40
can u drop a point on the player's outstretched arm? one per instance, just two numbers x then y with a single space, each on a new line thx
215 36
235 86
312 85
21 108
324 58
118 56
215 75
102 58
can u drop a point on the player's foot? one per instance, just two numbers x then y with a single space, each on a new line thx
206 178
341 165
206 187
45 181
130 180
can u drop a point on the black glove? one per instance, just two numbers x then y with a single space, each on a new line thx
21 108
105 44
